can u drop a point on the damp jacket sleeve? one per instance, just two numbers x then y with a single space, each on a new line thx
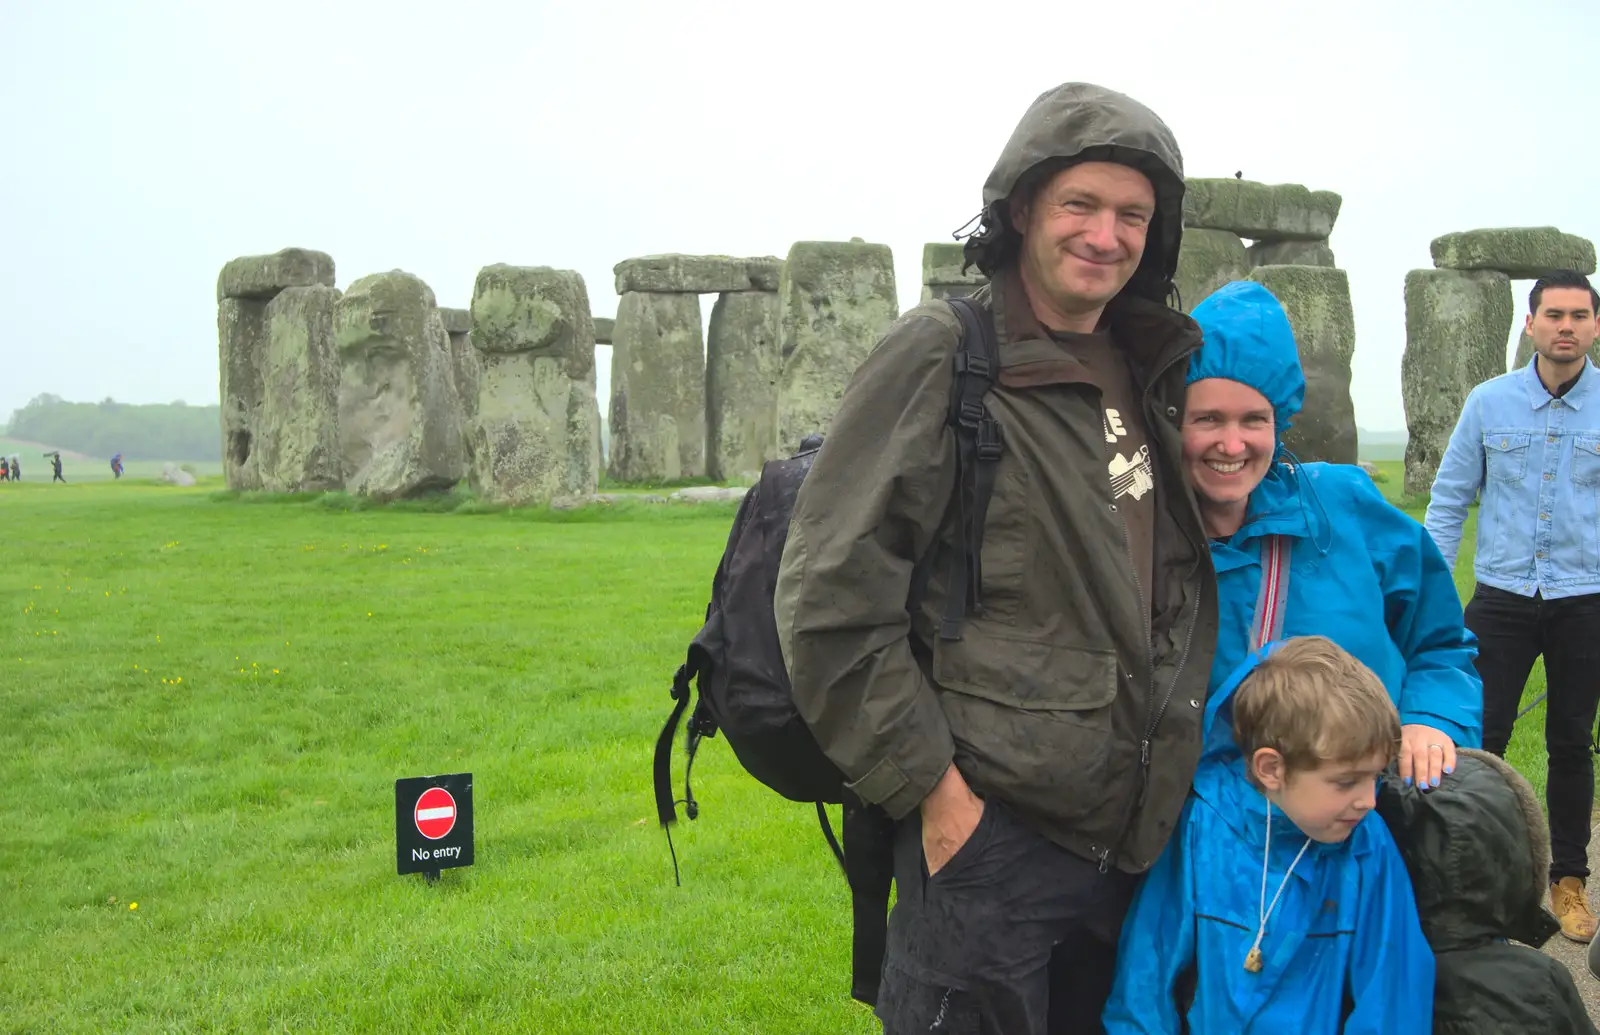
1458 482
1422 610
870 507
1391 964
1158 941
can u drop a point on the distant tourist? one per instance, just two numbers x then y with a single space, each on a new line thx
116 466
55 463
16 468
5 469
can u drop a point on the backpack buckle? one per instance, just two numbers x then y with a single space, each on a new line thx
972 414
991 440
973 363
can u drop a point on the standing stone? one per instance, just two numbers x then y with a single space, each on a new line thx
399 416
742 385
1208 259
537 432
245 288
1260 211
658 389
1524 351
1457 324
240 342
297 428
942 276
1317 301
1521 253
604 329
837 299
1292 253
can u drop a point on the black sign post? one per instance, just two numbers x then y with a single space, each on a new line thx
433 823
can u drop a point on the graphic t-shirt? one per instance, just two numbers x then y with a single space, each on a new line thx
1128 463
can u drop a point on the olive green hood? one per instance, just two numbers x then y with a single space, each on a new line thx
1478 852
1081 122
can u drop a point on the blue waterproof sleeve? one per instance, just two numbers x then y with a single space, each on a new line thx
1423 613
1458 482
1157 941
1391 967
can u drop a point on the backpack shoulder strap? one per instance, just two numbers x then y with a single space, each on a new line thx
979 446
1274 591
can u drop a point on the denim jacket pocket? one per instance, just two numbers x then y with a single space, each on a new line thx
1586 460
1506 456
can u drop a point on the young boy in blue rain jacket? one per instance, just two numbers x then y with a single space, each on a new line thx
1281 904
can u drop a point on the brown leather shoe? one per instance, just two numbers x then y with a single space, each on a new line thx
1569 901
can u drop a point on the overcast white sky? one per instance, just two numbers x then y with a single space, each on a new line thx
146 144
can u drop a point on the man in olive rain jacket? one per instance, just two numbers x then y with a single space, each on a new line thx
1036 764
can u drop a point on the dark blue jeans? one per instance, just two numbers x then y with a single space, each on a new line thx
1512 632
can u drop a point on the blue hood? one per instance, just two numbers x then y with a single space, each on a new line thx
1248 340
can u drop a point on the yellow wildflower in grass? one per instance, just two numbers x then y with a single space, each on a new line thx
133 905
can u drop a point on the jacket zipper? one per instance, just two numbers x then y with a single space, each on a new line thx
1155 714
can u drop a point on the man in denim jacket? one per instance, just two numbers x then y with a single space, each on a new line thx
1529 442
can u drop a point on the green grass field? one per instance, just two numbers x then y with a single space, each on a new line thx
206 701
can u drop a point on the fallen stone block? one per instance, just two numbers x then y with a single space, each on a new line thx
263 276
1317 301
709 494
1521 253
1260 211
172 474
1208 259
1457 326
838 298
697 274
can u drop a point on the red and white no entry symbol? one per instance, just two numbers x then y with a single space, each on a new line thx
435 813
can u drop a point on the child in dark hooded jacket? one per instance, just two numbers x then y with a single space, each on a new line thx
1478 852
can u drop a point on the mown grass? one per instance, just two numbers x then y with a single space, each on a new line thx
205 707
206 699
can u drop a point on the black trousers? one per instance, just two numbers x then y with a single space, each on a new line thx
1512 632
1014 936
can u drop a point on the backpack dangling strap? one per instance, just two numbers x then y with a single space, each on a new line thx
979 446
1274 592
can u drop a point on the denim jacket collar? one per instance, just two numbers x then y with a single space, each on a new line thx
1539 396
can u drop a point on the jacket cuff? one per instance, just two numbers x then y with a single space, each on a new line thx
898 792
1463 738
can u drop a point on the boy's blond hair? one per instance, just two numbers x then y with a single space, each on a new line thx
1313 702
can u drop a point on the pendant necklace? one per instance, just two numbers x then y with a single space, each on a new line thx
1253 962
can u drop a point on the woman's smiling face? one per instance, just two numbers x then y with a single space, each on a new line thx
1229 438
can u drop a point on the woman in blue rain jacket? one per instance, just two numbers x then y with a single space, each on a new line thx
1360 571
1345 951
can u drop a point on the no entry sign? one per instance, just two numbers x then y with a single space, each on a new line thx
433 823
435 813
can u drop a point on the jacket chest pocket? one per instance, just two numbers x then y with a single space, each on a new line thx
1586 460
1506 456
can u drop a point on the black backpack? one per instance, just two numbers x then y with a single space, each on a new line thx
737 667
